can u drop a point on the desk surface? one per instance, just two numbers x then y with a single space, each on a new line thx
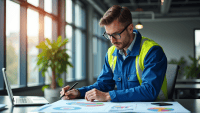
190 104
187 81
187 86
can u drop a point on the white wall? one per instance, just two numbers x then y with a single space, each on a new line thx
176 37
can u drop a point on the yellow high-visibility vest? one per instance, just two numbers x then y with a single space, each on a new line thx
145 45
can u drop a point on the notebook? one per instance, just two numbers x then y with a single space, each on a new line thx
22 101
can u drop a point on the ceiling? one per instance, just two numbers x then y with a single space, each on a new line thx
153 10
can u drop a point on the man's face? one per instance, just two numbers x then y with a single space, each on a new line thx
117 27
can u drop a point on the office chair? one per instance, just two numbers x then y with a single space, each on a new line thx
171 75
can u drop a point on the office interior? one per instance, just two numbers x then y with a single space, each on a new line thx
174 24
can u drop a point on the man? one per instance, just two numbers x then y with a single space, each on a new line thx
135 64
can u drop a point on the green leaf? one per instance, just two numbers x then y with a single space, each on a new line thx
54 46
59 40
44 87
48 41
60 82
64 42
42 45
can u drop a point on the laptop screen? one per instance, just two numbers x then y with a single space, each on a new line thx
8 88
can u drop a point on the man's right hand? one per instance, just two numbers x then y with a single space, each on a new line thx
71 94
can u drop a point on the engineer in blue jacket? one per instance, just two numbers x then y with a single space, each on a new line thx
136 65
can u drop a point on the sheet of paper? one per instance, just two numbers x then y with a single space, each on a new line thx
2 106
81 105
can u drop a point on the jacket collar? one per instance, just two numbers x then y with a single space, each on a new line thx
136 47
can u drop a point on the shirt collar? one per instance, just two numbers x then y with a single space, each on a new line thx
130 46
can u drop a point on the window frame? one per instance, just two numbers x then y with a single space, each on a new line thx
103 40
83 31
195 41
24 5
2 41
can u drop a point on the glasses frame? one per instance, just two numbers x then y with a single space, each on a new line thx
104 34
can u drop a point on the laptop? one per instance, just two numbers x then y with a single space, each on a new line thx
22 101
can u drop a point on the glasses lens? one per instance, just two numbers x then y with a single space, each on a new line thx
106 35
117 36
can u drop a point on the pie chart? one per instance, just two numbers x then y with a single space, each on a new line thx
160 109
67 108
87 104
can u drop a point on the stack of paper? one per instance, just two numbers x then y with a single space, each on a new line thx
81 105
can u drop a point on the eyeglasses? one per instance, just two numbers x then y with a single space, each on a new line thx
115 35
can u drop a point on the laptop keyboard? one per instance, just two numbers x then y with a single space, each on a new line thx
23 100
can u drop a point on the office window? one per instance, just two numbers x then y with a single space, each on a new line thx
78 16
95 60
69 34
34 2
33 40
76 46
197 44
21 51
78 58
48 6
12 42
68 4
79 42
100 46
48 28
48 34
68 31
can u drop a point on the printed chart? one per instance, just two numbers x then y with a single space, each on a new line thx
160 109
67 108
81 105
118 108
87 104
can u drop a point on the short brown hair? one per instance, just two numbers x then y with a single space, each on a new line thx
123 15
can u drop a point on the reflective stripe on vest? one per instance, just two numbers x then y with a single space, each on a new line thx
145 46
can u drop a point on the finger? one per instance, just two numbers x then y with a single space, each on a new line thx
65 89
88 93
86 96
92 98
65 98
71 92
61 92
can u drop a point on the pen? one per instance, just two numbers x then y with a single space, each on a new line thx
69 89
162 104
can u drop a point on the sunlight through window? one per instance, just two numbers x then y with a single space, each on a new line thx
12 42
33 40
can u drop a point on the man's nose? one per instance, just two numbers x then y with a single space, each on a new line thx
112 39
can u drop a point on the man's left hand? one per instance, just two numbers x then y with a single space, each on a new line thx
95 94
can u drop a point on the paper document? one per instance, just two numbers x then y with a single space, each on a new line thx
2 106
81 105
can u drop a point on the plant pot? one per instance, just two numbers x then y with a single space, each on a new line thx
52 92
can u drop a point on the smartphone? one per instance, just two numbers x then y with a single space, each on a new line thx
161 104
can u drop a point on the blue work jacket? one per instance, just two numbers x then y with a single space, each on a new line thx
125 78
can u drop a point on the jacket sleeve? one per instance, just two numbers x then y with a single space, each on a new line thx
104 81
155 64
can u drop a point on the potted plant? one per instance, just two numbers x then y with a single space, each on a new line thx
54 57
181 62
192 70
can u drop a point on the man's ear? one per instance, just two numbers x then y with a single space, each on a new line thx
130 28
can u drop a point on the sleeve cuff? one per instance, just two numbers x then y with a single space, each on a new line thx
113 96
82 91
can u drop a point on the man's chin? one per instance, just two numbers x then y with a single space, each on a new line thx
118 48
